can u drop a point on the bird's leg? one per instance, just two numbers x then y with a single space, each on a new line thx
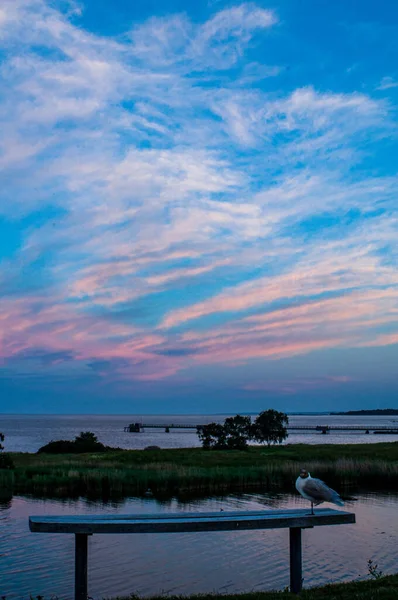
312 510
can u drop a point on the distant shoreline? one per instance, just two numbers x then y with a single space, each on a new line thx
369 412
381 412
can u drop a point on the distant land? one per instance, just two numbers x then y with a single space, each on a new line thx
387 412
292 414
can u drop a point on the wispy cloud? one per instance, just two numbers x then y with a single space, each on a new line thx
297 385
174 211
387 83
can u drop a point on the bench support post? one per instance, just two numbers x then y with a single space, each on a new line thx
80 566
296 577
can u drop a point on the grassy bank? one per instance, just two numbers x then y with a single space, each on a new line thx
131 472
385 588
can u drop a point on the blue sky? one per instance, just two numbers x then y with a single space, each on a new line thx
198 206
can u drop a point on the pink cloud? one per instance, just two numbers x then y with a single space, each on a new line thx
325 275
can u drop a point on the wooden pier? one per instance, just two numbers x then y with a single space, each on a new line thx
377 429
83 526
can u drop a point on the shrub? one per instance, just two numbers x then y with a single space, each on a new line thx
85 442
5 459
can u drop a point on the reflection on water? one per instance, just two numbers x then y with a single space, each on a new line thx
190 563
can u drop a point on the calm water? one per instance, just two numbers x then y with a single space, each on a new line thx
27 433
184 563
190 563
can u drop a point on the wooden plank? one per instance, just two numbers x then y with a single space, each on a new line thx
296 569
170 516
192 515
175 523
81 566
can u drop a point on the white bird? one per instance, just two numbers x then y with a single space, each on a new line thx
316 491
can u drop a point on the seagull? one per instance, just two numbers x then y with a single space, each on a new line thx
316 491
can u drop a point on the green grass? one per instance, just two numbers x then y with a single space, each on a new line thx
385 588
193 470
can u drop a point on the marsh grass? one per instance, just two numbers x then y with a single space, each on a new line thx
131 472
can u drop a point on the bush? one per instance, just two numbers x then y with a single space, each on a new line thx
85 442
5 459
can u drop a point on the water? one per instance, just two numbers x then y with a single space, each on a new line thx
147 564
26 433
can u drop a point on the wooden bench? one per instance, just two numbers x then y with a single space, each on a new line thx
83 526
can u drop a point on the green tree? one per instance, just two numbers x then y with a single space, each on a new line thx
237 432
86 437
234 434
212 436
270 427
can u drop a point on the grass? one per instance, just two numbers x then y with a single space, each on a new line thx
193 470
385 588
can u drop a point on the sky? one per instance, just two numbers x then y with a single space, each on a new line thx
198 206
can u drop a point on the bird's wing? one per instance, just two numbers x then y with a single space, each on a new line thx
318 490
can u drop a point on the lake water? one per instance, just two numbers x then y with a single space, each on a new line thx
32 563
25 433
185 563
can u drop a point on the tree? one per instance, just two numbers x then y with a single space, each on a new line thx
86 437
237 432
212 436
270 427
232 435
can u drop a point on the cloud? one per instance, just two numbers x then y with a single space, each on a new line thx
387 83
295 386
45 357
175 211
336 268
319 121
223 38
218 43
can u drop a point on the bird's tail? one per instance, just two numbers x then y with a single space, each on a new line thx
337 500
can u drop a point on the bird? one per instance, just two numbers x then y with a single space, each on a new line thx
149 493
316 491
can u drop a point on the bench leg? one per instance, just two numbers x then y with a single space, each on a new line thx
80 566
295 560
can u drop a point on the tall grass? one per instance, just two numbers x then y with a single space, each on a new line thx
122 473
